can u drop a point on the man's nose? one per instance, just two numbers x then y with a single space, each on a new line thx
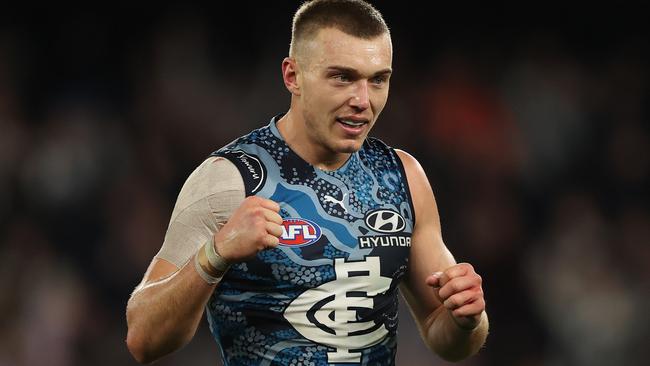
360 98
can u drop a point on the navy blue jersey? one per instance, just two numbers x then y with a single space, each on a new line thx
328 294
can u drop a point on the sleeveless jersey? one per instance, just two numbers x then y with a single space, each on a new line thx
328 294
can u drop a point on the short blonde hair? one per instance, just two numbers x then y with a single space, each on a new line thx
354 17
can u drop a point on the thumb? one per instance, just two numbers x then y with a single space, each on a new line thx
434 279
434 282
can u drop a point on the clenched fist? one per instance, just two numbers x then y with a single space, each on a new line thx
253 227
459 290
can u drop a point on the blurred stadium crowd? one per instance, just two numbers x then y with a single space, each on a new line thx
535 138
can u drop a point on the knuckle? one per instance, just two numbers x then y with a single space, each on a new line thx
260 236
451 302
447 290
270 242
453 286
459 301
468 267
275 230
273 204
444 278
261 245
251 200
258 211
474 296
443 295
258 224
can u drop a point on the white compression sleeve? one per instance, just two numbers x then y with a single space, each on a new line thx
205 203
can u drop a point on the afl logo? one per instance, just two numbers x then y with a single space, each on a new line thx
385 221
297 232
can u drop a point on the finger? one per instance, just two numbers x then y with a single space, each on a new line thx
271 205
458 300
459 284
272 216
434 282
454 271
472 309
271 241
274 229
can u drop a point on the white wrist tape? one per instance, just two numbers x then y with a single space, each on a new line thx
215 260
209 264
208 278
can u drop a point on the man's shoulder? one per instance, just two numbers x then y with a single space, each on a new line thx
213 176
405 156
244 154
410 164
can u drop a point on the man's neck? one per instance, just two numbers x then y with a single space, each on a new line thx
293 130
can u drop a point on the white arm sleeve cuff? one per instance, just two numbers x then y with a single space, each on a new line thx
205 203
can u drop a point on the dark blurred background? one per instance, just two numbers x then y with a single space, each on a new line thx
532 125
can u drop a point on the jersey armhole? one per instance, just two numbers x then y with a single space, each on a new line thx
406 182
251 169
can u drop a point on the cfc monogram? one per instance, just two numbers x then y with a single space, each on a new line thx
327 314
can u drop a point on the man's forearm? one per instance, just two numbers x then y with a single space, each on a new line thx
163 316
452 342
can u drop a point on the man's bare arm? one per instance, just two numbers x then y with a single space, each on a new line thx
164 311
445 298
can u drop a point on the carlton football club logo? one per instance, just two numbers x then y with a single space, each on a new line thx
297 232
330 313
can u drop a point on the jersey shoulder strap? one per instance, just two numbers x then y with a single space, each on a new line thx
250 167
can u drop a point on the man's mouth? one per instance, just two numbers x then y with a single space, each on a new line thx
351 123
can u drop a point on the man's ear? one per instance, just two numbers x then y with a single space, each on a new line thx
290 75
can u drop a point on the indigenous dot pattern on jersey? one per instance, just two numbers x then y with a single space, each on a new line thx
291 305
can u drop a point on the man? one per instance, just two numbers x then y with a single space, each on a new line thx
296 237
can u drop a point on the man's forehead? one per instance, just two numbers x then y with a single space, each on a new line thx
332 47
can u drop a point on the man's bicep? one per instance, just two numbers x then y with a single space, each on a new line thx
428 251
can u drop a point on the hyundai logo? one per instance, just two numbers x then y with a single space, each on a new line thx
385 221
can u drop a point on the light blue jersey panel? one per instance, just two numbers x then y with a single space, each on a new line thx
328 294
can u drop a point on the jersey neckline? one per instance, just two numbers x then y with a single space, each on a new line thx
274 130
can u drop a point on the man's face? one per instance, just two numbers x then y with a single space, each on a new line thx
344 86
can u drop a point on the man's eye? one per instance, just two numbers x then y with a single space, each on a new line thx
342 78
379 80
